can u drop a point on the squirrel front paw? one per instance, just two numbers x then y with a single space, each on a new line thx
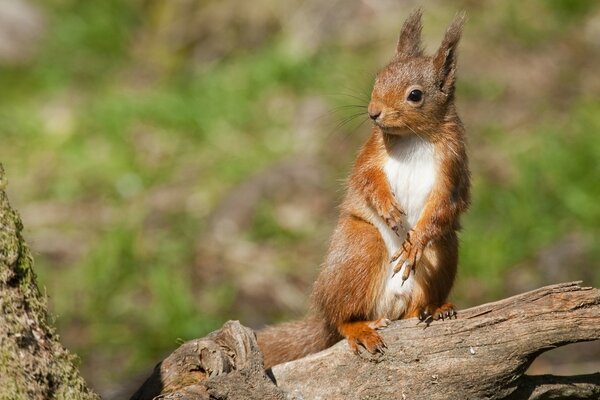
409 254
392 214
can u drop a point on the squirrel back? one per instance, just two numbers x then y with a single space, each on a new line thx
394 251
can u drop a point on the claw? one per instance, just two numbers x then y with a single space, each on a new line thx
432 313
379 324
364 334
390 211
406 273
384 323
399 265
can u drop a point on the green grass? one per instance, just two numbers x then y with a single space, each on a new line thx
554 194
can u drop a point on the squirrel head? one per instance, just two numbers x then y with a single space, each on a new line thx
415 92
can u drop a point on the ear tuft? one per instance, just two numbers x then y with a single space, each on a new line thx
445 58
409 42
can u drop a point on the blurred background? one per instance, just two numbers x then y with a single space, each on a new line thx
178 163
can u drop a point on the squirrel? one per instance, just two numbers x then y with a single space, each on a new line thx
394 252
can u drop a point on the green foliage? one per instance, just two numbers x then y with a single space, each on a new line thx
554 193
537 22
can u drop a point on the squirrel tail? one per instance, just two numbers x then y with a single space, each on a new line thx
292 340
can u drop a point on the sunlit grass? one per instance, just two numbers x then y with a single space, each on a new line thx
554 194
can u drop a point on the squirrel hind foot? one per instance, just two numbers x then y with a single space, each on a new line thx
364 334
432 312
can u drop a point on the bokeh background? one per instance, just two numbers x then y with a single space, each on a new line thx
178 163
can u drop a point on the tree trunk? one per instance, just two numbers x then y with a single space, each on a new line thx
33 363
482 354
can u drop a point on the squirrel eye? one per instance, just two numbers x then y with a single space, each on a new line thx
415 96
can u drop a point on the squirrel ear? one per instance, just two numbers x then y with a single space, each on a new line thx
444 60
409 42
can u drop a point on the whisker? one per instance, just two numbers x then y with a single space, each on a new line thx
341 110
357 113
355 97
357 106
413 131
356 92
362 99
347 120
397 113
361 124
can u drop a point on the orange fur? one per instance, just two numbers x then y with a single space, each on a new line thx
364 333
355 291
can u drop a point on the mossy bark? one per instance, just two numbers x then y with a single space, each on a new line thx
33 363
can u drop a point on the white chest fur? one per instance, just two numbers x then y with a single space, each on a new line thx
411 172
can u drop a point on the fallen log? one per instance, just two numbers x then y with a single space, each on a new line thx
482 354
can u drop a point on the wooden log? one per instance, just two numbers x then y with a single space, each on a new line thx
226 364
482 354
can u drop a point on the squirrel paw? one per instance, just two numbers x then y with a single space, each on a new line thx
364 334
408 255
431 313
392 214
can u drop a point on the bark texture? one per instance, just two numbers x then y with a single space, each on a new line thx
482 354
226 364
33 363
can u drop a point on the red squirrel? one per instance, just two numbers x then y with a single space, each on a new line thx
394 252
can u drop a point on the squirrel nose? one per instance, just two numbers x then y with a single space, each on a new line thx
374 112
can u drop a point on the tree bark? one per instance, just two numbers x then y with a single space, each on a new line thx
33 363
482 354
226 364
